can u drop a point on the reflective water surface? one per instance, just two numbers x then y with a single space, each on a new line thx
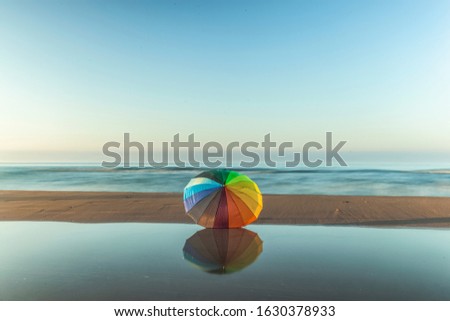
131 261
222 250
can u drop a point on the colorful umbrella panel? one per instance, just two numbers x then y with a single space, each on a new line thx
222 199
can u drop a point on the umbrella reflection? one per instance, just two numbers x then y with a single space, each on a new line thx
222 251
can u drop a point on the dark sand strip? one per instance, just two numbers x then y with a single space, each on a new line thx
102 207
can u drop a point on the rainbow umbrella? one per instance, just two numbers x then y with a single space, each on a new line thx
222 199
222 251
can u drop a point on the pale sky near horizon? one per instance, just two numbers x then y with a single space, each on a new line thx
74 75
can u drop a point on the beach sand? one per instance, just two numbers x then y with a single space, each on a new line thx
103 207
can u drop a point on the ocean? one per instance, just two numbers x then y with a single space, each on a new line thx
354 180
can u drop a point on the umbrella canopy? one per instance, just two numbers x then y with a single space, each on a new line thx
222 199
222 251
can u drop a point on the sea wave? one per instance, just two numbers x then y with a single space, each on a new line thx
325 181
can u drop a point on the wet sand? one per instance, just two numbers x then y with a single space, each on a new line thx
103 207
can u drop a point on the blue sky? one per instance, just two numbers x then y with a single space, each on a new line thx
76 75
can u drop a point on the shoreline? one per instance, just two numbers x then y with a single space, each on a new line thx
114 207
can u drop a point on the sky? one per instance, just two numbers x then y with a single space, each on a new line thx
74 75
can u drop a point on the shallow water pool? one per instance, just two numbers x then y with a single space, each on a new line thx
135 261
